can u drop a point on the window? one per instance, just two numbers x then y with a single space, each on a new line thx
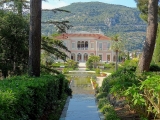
100 46
108 45
100 56
108 58
73 45
92 45
86 45
78 45
79 57
73 56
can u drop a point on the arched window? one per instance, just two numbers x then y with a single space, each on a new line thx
79 45
86 45
82 45
79 57
85 57
73 57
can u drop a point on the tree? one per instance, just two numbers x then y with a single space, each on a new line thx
149 44
92 61
117 46
51 49
35 38
156 54
143 7
16 5
13 43
72 64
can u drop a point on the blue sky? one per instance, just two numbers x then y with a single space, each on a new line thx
60 3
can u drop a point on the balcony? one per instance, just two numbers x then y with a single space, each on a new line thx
83 48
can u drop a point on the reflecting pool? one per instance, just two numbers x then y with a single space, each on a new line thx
81 82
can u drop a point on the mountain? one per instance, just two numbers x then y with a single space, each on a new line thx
110 19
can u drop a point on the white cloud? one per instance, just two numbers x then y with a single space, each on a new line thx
54 4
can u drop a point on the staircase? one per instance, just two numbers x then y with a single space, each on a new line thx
82 65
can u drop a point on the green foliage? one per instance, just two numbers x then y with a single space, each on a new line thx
143 7
145 96
92 62
109 65
53 49
98 71
117 43
121 80
89 64
154 67
16 5
55 114
72 64
58 64
65 70
131 63
14 30
29 98
107 109
156 54
101 95
141 92
151 90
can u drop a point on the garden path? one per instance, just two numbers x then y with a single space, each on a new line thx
82 105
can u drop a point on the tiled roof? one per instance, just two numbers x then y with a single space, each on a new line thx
66 36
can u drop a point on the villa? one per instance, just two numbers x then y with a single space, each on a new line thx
84 44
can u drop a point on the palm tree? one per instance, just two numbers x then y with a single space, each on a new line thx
94 60
117 46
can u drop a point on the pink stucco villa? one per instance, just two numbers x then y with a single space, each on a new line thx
84 44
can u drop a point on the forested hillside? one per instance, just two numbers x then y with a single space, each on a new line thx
110 19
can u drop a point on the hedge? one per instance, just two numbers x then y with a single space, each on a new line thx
24 98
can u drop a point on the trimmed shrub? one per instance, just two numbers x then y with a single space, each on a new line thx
24 98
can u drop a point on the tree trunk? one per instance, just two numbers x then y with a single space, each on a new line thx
149 44
35 38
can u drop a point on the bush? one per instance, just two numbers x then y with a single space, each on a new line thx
98 71
129 63
154 67
65 70
107 109
109 65
72 64
101 95
89 64
119 81
141 92
27 98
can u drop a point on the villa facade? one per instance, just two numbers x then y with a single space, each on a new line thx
82 45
